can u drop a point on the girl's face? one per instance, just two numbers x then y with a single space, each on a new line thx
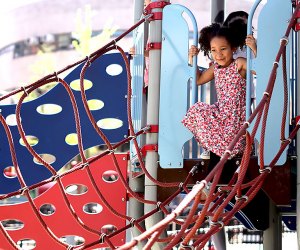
221 51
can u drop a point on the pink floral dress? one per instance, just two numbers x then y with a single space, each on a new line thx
214 126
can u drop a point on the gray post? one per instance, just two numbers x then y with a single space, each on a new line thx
151 159
273 235
298 142
217 11
135 208
217 15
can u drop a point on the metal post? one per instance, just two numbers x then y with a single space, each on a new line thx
151 159
298 139
217 11
135 208
217 15
273 235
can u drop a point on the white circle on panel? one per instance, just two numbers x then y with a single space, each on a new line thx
11 120
110 123
49 109
10 172
92 208
71 139
31 139
47 209
75 85
114 69
26 244
46 157
12 224
95 104
76 189
72 240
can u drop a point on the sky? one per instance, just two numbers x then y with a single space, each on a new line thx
12 4
8 5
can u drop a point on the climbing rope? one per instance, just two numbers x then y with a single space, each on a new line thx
212 212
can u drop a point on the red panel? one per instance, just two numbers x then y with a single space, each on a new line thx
61 222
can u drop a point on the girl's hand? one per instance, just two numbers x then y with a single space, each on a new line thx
132 51
193 51
251 43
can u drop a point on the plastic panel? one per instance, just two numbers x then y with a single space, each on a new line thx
175 85
272 23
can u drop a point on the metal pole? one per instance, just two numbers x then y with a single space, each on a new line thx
217 11
135 208
217 15
298 139
273 235
151 159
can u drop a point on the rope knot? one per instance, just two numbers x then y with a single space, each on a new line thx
131 137
284 39
84 165
224 191
227 151
88 60
266 169
23 190
247 123
183 246
55 177
286 140
110 151
132 221
102 236
218 223
243 197
24 90
145 129
158 204
56 76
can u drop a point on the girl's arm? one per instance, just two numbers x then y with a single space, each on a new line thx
251 43
241 64
205 76
193 51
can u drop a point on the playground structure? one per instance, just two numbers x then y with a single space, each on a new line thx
85 207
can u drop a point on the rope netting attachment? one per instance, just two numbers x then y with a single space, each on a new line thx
236 185
219 218
85 164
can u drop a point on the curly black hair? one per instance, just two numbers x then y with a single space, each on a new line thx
216 30
235 14
238 26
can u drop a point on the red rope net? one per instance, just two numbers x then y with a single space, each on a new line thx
50 232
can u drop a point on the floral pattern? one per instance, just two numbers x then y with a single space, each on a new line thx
214 126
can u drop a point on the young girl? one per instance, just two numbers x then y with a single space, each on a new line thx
214 126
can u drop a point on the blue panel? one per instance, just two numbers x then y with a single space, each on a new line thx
272 24
174 85
138 103
51 130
